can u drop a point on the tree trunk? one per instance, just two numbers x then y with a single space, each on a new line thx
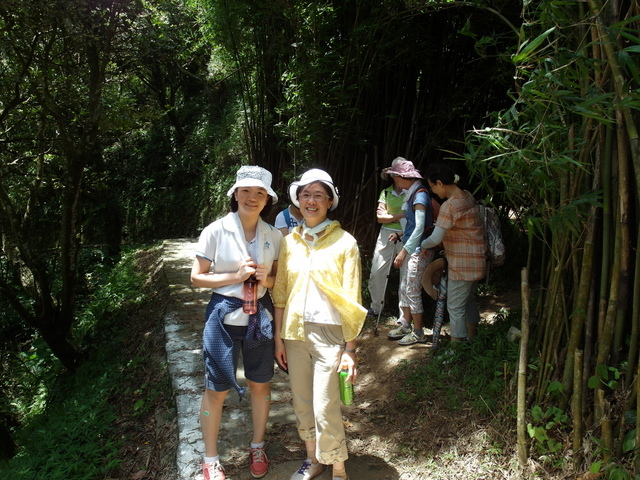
7 445
61 347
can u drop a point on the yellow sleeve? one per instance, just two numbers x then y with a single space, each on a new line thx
352 274
281 286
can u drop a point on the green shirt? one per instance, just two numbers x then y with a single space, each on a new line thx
394 202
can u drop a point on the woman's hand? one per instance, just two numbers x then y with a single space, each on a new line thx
399 260
280 352
394 237
262 275
247 268
349 359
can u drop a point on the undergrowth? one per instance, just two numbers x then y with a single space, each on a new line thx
70 437
477 374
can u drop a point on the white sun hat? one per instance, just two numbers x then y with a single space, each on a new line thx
312 176
253 176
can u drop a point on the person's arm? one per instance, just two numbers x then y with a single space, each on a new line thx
201 277
349 358
412 243
280 352
265 277
434 239
351 283
385 217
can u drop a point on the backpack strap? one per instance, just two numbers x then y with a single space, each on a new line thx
287 217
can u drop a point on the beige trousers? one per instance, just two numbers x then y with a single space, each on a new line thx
313 376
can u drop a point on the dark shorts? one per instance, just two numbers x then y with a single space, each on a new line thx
258 362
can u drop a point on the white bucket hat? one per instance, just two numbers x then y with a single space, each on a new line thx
253 176
312 176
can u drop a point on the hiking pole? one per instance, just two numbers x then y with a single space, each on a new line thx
384 291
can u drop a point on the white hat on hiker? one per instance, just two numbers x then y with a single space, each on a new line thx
253 176
312 176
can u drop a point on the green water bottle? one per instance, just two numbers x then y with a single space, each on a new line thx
346 388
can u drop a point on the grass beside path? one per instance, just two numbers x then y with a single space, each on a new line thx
114 418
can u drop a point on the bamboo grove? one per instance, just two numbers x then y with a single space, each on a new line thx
566 158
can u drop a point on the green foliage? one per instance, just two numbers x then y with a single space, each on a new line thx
541 429
70 440
478 374
607 376
65 418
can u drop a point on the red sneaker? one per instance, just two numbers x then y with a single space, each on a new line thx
259 463
213 471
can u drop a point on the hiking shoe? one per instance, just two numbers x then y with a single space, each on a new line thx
412 338
399 332
371 313
308 470
213 471
258 462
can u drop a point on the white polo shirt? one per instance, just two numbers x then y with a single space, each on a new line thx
223 244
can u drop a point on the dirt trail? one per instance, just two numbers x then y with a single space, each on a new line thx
381 440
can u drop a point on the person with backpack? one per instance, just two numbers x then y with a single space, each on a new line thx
388 213
288 219
459 228
411 262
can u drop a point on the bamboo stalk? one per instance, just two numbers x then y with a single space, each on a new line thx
555 312
620 85
604 343
625 240
576 409
579 314
607 229
522 369
604 349
632 357
636 460
606 434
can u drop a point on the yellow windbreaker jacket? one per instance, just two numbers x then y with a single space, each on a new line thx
334 264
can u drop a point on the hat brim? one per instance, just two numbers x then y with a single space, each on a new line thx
431 277
253 182
294 187
387 175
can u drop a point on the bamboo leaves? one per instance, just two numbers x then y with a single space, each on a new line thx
529 47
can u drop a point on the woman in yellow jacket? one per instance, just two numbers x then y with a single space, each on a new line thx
318 315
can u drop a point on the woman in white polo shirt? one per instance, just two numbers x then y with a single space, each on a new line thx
230 251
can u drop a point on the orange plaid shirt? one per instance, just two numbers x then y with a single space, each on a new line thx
464 241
